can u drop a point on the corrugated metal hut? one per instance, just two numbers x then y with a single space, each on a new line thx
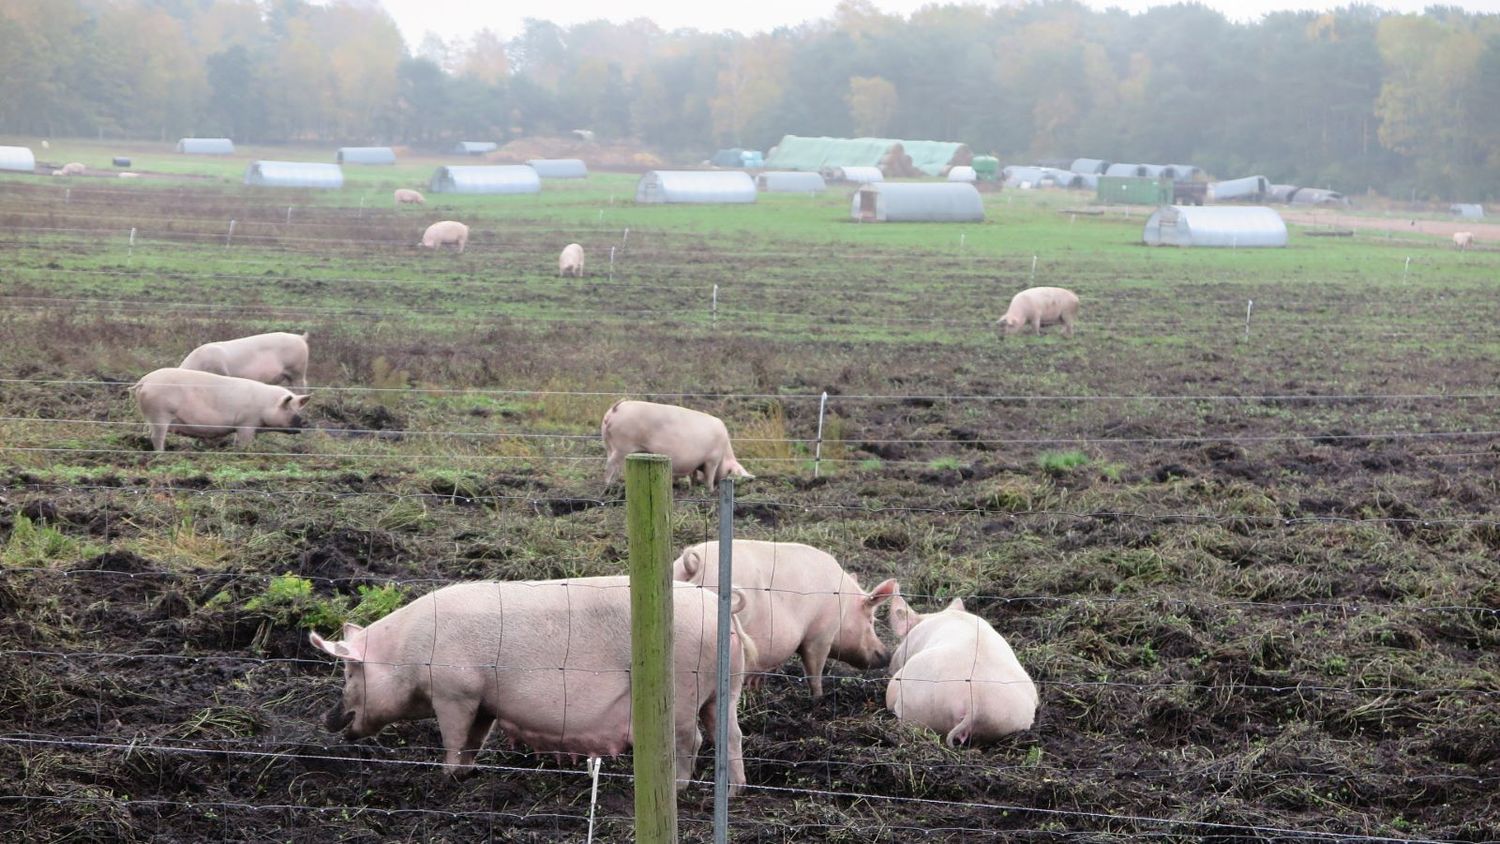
1134 190
1317 196
474 147
1086 181
1235 227
17 158
1017 176
366 155
1153 171
697 186
857 175
559 168
486 179
206 146
790 181
294 174
1096 166
1250 189
962 174
1467 210
1281 193
1182 172
1124 170
919 202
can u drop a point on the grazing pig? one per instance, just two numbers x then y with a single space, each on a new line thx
955 674
407 196
1463 240
570 262
73 168
548 661
275 358
209 406
697 442
445 232
798 600
1039 306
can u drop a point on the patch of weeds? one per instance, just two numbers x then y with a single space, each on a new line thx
289 601
38 544
764 437
1061 462
1112 471
871 464
376 602
945 464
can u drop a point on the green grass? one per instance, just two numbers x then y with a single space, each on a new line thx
1061 462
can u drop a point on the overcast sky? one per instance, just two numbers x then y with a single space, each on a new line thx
462 18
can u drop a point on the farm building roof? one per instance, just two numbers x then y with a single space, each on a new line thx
294 174
790 181
486 178
559 168
707 186
917 202
17 158
206 146
366 155
1215 225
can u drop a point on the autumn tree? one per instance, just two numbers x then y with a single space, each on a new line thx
872 104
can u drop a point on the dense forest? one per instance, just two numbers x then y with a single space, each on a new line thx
1356 99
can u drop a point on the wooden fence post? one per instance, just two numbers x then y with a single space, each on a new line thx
648 518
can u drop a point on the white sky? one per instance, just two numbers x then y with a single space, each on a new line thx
462 18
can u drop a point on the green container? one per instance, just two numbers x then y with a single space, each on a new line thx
1134 190
986 167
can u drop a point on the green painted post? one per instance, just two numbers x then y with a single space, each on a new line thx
648 519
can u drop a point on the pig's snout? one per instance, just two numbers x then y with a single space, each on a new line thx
297 424
881 659
338 719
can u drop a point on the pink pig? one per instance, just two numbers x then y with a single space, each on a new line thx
698 443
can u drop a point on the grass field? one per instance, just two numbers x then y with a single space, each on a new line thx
1254 572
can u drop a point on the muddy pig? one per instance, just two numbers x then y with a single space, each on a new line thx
698 443
798 600
209 406
1039 306
275 358
547 661
955 674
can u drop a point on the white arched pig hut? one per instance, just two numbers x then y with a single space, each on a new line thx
366 155
1249 189
474 147
559 168
703 186
917 202
294 174
857 175
962 173
1093 166
481 178
206 146
1215 225
17 158
790 181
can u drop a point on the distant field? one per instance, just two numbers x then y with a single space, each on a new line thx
1254 572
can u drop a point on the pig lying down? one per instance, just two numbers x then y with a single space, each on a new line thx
955 674
547 661
208 406
798 600
697 442
1039 306
276 358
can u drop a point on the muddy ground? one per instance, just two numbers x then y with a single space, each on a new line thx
1262 618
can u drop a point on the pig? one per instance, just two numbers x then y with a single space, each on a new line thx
1463 240
444 232
955 674
570 262
407 196
1039 306
73 168
798 600
275 358
548 661
129 175
209 406
697 442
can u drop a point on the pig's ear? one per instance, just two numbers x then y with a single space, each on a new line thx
902 619
341 649
957 604
300 402
886 590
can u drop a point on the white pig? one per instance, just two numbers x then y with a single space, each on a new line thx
129 175
209 406
275 358
570 262
444 232
798 600
1463 240
955 674
73 168
548 661
698 443
1039 306
407 196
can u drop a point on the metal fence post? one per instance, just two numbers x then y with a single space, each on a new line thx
818 449
648 518
721 702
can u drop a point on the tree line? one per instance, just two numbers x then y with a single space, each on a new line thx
1353 99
